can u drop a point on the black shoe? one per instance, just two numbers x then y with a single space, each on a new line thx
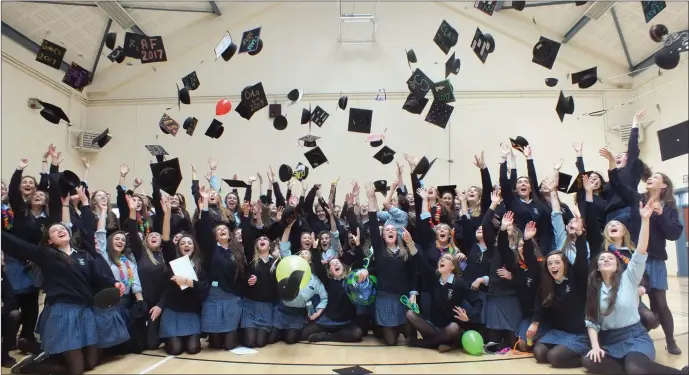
318 337
28 345
8 361
672 348
26 361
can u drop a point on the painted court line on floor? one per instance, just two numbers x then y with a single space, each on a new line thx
157 364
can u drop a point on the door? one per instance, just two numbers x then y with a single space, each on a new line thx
682 244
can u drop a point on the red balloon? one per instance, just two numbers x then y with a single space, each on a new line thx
223 107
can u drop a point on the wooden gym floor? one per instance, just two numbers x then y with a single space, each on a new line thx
323 358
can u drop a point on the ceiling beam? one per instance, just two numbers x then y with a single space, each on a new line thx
129 7
575 29
622 41
215 8
25 42
100 49
542 4
640 67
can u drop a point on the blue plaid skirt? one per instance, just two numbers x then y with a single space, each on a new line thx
179 324
524 326
111 324
577 343
257 314
67 327
622 341
390 312
656 271
503 313
285 317
17 272
221 312
482 315
327 322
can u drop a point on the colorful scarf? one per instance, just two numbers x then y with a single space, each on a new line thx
618 254
446 249
128 277
523 265
144 225
7 217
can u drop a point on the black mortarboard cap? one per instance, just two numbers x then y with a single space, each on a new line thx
578 182
226 48
110 40
657 32
342 102
545 52
319 116
385 155
53 113
666 58
167 175
285 173
423 167
295 95
482 44
191 81
415 104
565 105
381 186
360 120
183 96
355 370
107 298
518 5
316 157
452 189
66 180
305 115
274 110
158 151
308 140
215 129
168 125
102 139
674 141
585 78
580 3
563 181
445 37
411 57
190 125
551 82
288 288
258 49
439 113
236 183
452 65
280 122
229 52
519 143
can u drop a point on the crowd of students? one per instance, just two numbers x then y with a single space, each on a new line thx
509 260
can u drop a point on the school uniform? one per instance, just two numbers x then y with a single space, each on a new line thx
527 281
502 309
618 207
261 297
68 321
339 311
396 277
565 316
621 331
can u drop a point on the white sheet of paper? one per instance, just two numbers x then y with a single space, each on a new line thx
182 267
242 350
222 46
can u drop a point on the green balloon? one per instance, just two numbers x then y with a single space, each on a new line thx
472 342
293 263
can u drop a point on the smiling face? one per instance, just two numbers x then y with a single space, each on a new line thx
607 262
447 199
596 180
337 211
263 244
213 197
621 160
238 234
174 202
320 212
523 187
154 240
479 233
27 186
139 202
656 182
390 235
272 209
474 195
442 233
186 246
119 242
100 197
431 193
410 199
556 266
38 199
364 209
336 268
58 236
446 264
222 233
305 240
231 201
615 230
306 254
324 241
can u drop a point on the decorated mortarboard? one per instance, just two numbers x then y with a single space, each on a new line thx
319 115
381 186
446 37
102 139
258 48
452 65
117 55
191 81
360 120
132 41
519 143
411 57
152 49
110 40
385 155
415 104
376 140
183 96
308 140
280 122
295 95
190 125
253 100
53 113
439 113
215 129
156 150
419 83
237 184
167 175
482 45
674 141
301 172
423 167
316 157
585 78
565 105
545 52
226 48
342 102
168 125
443 92
444 189
250 40
51 54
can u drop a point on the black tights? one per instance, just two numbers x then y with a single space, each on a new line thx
633 363
177 345
504 338
659 307
289 336
227 341
432 337
10 326
28 304
344 333
256 337
558 356
73 362
648 318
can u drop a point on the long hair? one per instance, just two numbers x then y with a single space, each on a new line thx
626 239
547 281
110 248
237 250
45 243
403 251
593 290
667 196
257 256
580 193
149 252
451 237
111 222
35 182
46 205
476 209
195 258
